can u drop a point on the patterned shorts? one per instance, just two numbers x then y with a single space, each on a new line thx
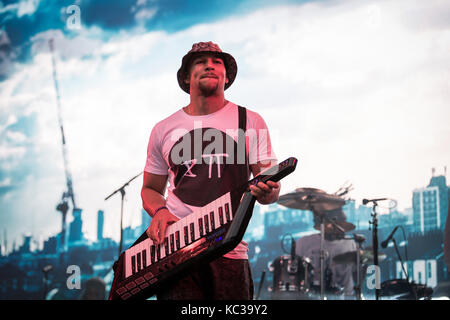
222 279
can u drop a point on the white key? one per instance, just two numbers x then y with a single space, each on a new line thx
196 228
148 243
182 225
212 208
190 220
227 204
221 211
128 267
162 251
141 248
169 231
200 216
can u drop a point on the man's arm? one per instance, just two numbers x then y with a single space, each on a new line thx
265 193
152 195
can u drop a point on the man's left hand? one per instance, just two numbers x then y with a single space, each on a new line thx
266 193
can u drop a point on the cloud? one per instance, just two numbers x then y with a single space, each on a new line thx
356 90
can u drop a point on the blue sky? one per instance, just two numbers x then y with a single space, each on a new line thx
358 91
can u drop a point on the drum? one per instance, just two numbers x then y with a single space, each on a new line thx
400 289
292 277
395 289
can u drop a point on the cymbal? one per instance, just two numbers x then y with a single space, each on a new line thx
366 256
311 199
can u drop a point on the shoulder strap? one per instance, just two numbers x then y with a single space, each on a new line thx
242 150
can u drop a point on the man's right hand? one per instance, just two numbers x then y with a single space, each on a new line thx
157 229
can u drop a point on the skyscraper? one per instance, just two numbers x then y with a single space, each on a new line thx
430 205
100 221
76 227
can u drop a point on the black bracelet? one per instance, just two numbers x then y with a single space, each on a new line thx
160 208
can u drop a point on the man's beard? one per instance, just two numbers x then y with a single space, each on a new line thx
208 91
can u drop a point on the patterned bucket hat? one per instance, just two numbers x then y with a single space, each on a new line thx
206 47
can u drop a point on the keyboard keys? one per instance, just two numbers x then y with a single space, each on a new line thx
221 217
133 264
166 246
178 235
172 243
153 253
186 235
177 240
139 260
227 212
212 220
206 221
200 227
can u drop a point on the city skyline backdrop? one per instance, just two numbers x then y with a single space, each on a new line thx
358 92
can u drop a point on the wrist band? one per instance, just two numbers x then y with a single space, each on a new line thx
160 208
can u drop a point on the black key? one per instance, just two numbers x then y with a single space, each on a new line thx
186 235
221 216
153 253
177 240
144 258
206 219
158 252
138 258
200 227
172 244
192 231
227 212
166 245
133 264
211 218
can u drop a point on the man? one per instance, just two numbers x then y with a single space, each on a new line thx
338 277
197 151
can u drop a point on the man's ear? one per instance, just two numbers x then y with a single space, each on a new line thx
226 80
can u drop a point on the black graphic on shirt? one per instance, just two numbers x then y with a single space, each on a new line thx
205 166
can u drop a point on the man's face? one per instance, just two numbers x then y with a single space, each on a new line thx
207 74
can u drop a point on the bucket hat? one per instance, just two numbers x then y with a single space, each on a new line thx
206 47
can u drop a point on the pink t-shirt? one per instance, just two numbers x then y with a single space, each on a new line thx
196 152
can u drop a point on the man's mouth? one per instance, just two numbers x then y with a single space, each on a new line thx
209 75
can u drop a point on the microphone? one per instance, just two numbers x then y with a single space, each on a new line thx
366 201
385 242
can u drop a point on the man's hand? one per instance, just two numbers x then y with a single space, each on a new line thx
266 193
157 229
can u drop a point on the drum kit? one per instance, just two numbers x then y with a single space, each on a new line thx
293 275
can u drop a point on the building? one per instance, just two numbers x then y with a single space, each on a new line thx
75 229
100 222
430 205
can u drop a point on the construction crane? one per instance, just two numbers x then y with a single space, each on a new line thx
68 195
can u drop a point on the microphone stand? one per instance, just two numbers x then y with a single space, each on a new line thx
411 286
374 222
261 281
122 193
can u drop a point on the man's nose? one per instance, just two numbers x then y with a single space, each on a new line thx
209 64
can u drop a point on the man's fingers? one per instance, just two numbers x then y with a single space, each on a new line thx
162 231
153 231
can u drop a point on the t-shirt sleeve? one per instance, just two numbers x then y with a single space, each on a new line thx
155 160
260 145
